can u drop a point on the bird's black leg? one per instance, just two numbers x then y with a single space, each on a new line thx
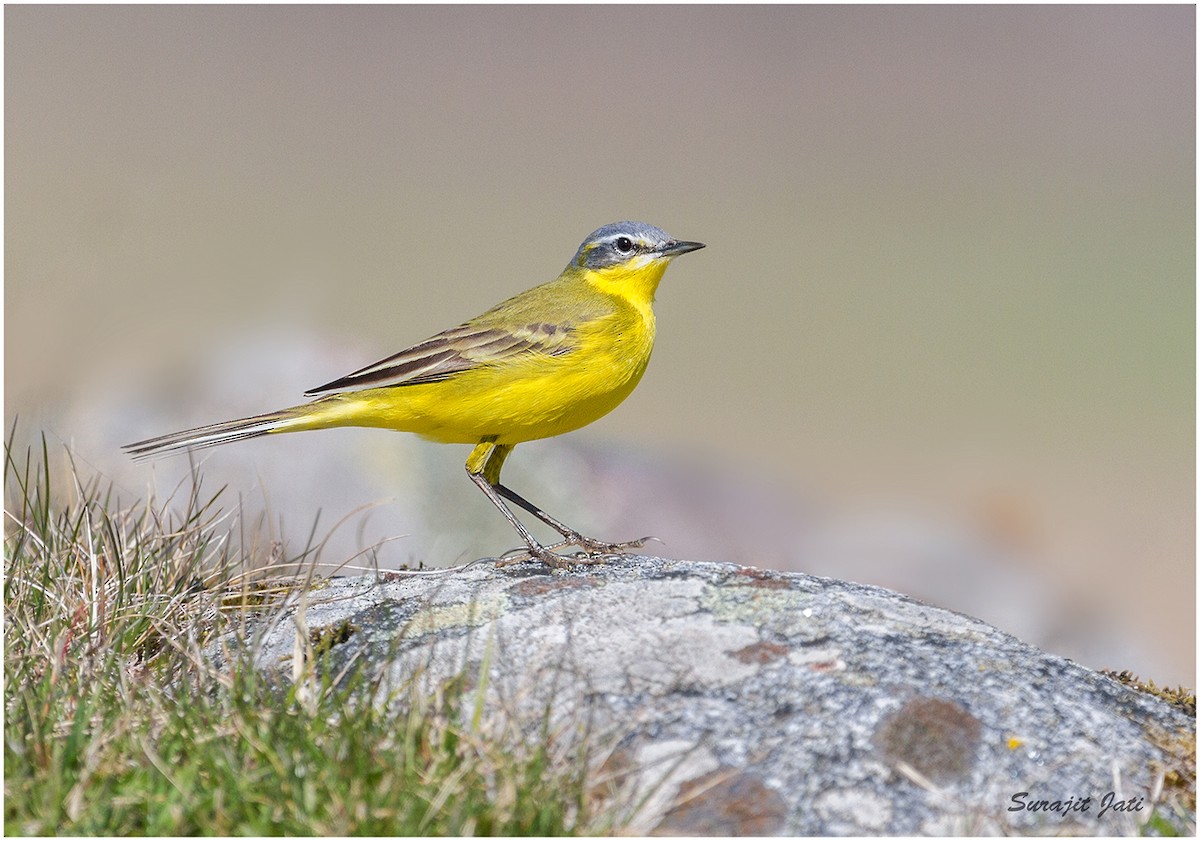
483 466
570 536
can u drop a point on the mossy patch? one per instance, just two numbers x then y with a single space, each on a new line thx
324 639
1180 696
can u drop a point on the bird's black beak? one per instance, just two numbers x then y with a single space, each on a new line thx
675 248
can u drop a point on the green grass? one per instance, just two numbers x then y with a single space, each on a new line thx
117 724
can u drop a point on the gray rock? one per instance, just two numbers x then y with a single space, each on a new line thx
741 701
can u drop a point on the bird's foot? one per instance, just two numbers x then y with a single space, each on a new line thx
548 555
592 551
591 546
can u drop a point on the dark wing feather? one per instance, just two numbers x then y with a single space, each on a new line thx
454 351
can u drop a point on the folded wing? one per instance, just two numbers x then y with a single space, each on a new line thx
454 351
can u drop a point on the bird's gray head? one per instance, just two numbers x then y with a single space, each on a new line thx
625 242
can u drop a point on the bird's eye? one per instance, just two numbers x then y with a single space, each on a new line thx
624 245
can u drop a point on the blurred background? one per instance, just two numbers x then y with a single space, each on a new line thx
942 339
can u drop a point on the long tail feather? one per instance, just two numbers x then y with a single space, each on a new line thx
218 433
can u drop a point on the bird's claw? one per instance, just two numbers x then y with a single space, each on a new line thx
592 551
599 547
547 555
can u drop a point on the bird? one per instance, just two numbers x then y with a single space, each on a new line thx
547 361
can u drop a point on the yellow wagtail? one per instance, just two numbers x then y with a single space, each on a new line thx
550 360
